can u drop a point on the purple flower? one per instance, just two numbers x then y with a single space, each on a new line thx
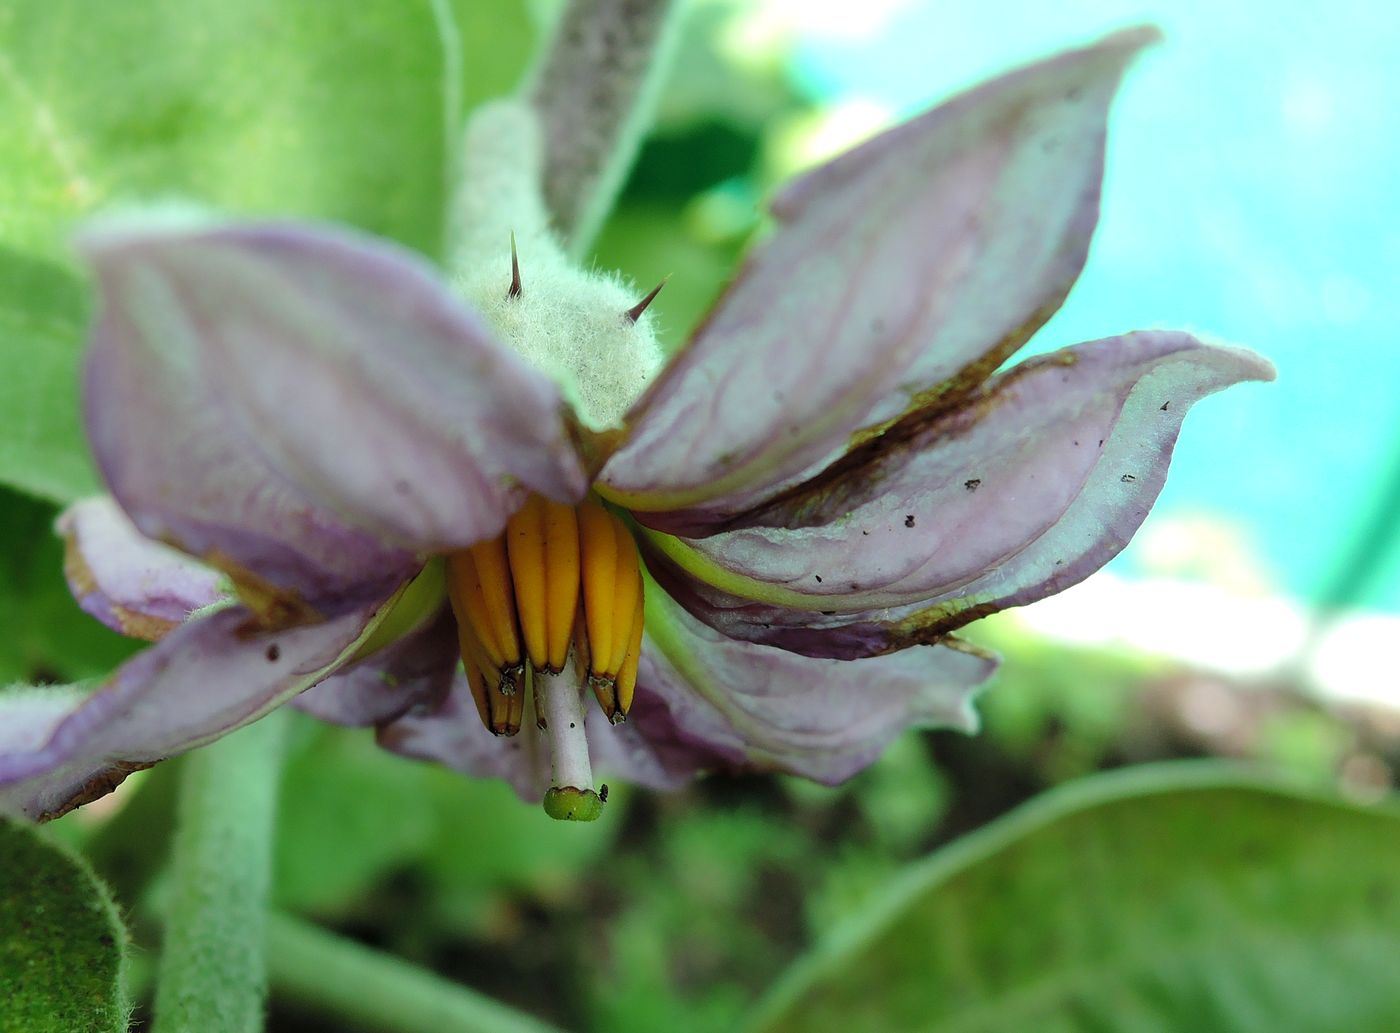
826 483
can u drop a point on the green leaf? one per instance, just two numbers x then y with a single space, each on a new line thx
1160 900
263 107
260 106
61 942
351 813
42 312
348 815
46 637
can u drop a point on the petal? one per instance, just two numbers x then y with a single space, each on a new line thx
925 257
753 706
201 681
451 734
307 403
1035 483
415 671
130 583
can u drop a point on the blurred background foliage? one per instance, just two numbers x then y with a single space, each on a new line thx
1249 197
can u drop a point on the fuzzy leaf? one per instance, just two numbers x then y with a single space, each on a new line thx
61 942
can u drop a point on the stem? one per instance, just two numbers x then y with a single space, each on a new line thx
378 990
213 975
595 89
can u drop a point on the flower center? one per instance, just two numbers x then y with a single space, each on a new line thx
562 586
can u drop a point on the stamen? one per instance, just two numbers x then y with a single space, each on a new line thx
514 291
556 600
500 711
542 542
599 547
627 674
635 312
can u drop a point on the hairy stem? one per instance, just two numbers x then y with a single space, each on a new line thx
213 975
377 990
594 90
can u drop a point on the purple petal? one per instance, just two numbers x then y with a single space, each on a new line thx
130 583
201 681
752 706
452 734
1034 484
415 671
308 404
923 258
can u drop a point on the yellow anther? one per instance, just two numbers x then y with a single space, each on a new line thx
562 560
627 596
542 543
478 676
598 544
525 546
469 605
493 575
627 676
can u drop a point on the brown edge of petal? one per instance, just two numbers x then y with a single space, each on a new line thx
273 608
932 402
96 787
814 500
84 584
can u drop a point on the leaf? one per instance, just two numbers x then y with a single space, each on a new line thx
61 942
42 312
351 814
258 107
1163 899
347 816
46 637
262 106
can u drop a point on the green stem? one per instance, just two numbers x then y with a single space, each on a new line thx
595 88
213 976
377 990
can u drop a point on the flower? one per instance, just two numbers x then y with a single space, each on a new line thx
298 422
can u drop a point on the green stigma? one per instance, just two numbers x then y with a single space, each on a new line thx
565 803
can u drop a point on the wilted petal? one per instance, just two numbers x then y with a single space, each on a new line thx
452 734
753 706
308 404
417 670
901 274
201 681
130 583
1028 490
